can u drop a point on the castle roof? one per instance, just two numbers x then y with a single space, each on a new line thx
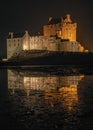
54 21
16 35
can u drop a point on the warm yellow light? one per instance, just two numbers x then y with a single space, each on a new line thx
25 47
70 96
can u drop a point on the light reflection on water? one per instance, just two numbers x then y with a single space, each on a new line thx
54 89
38 100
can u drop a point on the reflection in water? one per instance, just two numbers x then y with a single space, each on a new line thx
57 91
54 100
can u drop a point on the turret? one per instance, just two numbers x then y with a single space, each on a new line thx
68 29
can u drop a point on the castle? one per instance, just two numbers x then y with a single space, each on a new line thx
59 34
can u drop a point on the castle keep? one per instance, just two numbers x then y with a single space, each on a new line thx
59 34
63 28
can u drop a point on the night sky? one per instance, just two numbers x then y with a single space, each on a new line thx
31 15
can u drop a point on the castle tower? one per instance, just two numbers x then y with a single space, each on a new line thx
68 29
52 27
63 28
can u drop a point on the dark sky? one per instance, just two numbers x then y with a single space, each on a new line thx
31 15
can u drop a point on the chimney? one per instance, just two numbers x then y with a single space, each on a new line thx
50 18
68 18
11 34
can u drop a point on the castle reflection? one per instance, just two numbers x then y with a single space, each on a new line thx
56 91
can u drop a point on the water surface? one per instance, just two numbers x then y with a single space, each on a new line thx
33 100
